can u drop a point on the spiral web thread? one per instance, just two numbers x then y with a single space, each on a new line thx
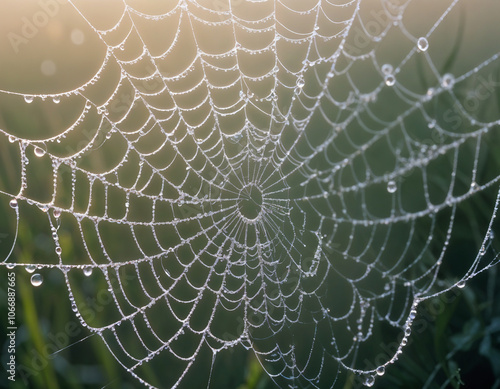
260 180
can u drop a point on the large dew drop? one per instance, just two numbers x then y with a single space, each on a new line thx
13 203
369 381
39 152
392 187
36 279
28 98
87 272
30 268
422 44
390 80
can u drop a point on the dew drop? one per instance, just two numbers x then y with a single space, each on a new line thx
11 139
87 272
13 203
74 308
39 152
28 98
390 80
30 268
369 381
391 186
422 44
88 105
448 81
56 213
56 99
387 68
461 284
300 83
381 370
58 250
36 279
10 266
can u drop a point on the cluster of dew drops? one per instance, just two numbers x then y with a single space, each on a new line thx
37 278
388 70
447 82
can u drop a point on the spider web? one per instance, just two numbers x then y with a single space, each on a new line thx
284 176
